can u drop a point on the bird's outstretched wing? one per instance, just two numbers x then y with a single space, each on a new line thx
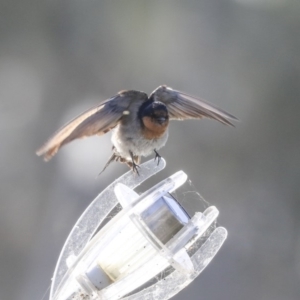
97 120
182 106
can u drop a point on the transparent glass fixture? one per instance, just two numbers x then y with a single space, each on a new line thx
149 250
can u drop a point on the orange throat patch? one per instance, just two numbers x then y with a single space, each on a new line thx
153 130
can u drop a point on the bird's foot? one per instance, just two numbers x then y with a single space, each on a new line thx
157 156
132 164
135 168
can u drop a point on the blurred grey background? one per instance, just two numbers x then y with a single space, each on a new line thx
58 58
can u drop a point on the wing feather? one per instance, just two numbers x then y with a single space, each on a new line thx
96 120
182 106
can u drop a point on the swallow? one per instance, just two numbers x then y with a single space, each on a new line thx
139 123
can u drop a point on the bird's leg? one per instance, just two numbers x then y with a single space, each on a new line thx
133 165
157 156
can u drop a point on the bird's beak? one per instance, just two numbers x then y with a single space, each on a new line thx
161 120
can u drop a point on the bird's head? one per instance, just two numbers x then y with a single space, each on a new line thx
154 116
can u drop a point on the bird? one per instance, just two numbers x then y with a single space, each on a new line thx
139 123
